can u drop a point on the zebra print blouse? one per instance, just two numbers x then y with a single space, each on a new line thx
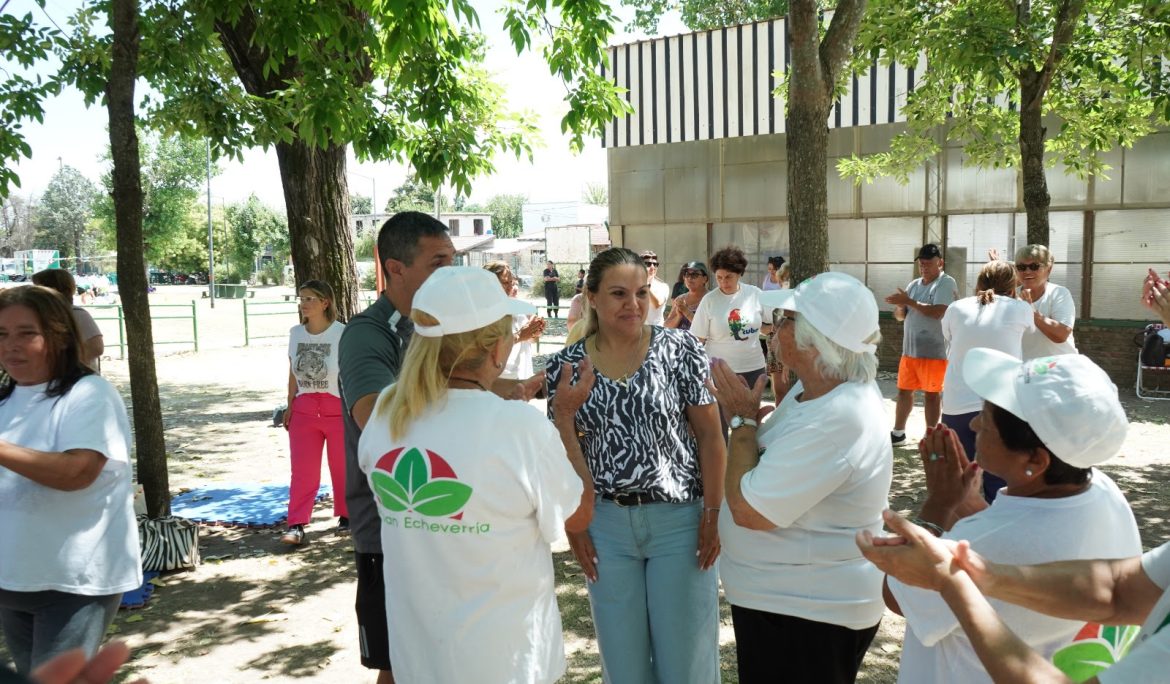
635 436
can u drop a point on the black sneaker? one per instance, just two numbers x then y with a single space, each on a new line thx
897 440
343 526
295 536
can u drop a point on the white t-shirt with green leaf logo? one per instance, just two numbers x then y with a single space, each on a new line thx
471 498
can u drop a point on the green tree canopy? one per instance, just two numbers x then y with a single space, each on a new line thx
995 69
255 228
361 204
174 172
63 216
507 214
700 15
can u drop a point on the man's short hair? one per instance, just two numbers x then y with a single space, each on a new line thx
399 236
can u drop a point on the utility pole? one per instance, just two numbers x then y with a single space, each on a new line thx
210 238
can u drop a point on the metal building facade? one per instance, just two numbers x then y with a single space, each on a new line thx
702 163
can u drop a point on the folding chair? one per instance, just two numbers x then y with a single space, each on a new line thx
1157 377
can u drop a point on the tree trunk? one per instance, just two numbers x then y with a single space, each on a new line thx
150 445
1032 132
807 134
316 195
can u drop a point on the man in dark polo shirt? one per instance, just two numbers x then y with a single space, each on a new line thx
411 245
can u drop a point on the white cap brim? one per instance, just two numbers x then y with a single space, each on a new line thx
990 373
780 299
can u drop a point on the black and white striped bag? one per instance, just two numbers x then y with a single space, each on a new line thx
168 543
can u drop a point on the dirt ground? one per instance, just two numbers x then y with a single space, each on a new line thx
257 610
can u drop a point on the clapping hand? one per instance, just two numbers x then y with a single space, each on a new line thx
914 556
732 393
953 482
1156 296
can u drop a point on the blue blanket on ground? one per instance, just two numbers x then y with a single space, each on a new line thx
238 504
137 598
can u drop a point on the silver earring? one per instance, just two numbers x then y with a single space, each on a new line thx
1028 472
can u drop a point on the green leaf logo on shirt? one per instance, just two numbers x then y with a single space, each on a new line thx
1094 649
411 480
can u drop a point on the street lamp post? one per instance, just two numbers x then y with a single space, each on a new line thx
210 238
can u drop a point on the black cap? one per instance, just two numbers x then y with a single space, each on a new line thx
930 251
697 266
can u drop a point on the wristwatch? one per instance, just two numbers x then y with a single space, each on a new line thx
739 421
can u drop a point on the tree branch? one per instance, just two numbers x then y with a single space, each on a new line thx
837 47
1062 34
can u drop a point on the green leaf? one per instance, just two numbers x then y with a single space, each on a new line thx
411 472
441 497
389 492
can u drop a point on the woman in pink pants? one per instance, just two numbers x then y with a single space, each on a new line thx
313 416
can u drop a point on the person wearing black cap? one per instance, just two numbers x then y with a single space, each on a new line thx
924 354
698 282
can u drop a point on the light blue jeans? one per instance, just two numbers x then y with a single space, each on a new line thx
656 612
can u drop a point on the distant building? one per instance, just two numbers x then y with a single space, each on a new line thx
537 216
459 223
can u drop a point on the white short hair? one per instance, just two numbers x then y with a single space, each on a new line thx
833 360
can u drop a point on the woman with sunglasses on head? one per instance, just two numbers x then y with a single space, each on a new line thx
313 417
1054 312
68 540
650 436
682 311
777 276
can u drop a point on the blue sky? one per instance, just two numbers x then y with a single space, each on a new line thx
74 135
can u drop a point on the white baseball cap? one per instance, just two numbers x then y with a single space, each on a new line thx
463 298
838 305
1067 400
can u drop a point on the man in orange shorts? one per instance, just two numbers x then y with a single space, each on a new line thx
924 354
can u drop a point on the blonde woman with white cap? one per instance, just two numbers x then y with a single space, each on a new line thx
1044 424
471 489
804 601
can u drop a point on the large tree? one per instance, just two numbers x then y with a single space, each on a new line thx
819 61
63 217
701 15
996 69
149 440
400 81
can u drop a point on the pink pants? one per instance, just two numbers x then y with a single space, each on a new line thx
315 423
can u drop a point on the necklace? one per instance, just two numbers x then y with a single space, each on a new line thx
477 383
624 379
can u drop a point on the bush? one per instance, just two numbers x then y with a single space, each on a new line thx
567 285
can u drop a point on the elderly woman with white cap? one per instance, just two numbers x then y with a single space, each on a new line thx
1044 424
1118 591
471 489
804 601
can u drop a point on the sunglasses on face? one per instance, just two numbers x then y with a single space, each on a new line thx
778 318
1029 267
650 262
693 274
309 299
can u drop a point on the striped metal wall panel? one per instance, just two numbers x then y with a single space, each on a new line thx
721 84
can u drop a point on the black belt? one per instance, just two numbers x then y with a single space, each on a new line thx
631 498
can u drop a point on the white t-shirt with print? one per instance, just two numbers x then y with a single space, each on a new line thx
1056 303
471 498
81 542
519 364
730 324
1150 655
966 325
1096 523
825 475
314 358
656 315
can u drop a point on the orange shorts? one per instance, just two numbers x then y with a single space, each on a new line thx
921 374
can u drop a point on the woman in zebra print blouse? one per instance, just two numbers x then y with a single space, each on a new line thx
650 434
